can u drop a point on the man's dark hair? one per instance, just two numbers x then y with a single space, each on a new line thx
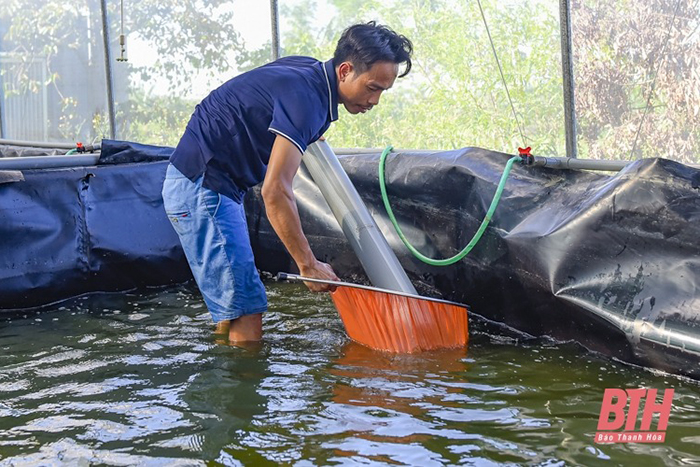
367 43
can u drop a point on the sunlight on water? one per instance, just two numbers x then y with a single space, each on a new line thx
141 380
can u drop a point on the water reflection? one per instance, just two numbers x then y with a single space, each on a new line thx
224 398
384 400
142 381
366 377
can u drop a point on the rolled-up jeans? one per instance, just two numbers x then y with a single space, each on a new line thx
214 235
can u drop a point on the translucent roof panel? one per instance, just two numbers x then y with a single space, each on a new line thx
637 83
637 79
454 96
52 64
178 52
52 71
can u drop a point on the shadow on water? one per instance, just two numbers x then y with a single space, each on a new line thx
142 380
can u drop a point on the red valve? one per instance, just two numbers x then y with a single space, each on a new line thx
524 151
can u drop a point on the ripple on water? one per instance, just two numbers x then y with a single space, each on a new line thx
140 380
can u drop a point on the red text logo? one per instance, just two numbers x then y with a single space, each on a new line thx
620 412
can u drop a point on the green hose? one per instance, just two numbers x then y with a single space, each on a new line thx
477 235
71 152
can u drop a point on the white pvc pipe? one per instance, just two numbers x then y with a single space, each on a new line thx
358 225
47 162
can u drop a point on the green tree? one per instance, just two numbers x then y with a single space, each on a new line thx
189 37
455 96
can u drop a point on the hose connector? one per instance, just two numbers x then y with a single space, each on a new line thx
525 157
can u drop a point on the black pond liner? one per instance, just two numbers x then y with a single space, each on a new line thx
611 261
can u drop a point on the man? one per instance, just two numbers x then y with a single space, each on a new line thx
255 128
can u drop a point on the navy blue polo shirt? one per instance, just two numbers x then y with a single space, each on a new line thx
230 135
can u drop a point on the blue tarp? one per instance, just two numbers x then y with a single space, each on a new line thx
66 232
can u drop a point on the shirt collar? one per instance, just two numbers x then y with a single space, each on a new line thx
332 81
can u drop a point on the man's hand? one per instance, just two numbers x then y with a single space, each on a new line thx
319 270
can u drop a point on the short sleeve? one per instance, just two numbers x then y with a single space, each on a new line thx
298 115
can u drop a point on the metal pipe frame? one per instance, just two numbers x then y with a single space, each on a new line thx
47 162
581 164
2 99
108 70
37 144
275 25
540 161
567 65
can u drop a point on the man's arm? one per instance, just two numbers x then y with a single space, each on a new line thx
281 208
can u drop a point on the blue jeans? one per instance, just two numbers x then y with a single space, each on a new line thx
214 235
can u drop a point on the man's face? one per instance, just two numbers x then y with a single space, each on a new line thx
360 92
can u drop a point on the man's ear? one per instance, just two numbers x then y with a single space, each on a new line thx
344 70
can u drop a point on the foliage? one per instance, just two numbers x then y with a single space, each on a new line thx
187 35
154 119
622 55
37 33
454 97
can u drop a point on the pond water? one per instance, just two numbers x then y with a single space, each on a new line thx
141 380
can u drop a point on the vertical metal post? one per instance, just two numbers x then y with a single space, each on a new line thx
2 110
108 69
3 134
274 16
567 65
44 100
